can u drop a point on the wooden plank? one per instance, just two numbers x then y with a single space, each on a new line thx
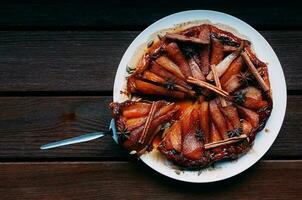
122 180
120 14
287 47
28 122
60 61
289 141
87 61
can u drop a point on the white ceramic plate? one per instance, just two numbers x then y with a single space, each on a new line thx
264 52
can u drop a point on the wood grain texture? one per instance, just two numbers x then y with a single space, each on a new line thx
28 122
58 60
61 61
87 61
119 14
123 180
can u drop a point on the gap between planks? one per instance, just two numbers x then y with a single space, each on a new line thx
299 161
80 93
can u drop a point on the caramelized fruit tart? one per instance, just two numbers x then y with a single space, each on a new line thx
204 95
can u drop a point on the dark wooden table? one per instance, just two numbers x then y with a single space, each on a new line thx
57 67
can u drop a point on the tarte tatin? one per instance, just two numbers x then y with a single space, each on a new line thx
204 96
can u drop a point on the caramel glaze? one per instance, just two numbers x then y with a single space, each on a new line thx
223 152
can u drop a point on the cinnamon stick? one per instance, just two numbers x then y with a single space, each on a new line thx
254 71
208 86
148 123
225 142
217 82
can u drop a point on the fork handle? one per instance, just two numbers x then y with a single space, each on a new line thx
74 140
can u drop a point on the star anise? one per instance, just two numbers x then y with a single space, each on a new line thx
165 126
245 77
125 133
173 151
156 53
150 43
170 84
239 97
129 69
189 51
199 135
235 133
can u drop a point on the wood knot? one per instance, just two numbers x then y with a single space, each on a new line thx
69 117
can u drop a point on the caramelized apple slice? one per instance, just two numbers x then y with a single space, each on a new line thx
254 104
130 142
225 63
246 127
205 120
205 50
170 66
183 106
217 52
196 72
187 120
251 102
249 115
172 138
229 49
134 123
133 140
215 135
184 38
229 125
157 69
136 110
165 109
138 133
139 86
218 119
153 77
204 33
205 59
231 113
147 75
156 124
232 84
176 55
192 145
234 69
192 31
253 92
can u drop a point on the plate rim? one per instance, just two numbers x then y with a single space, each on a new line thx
135 43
